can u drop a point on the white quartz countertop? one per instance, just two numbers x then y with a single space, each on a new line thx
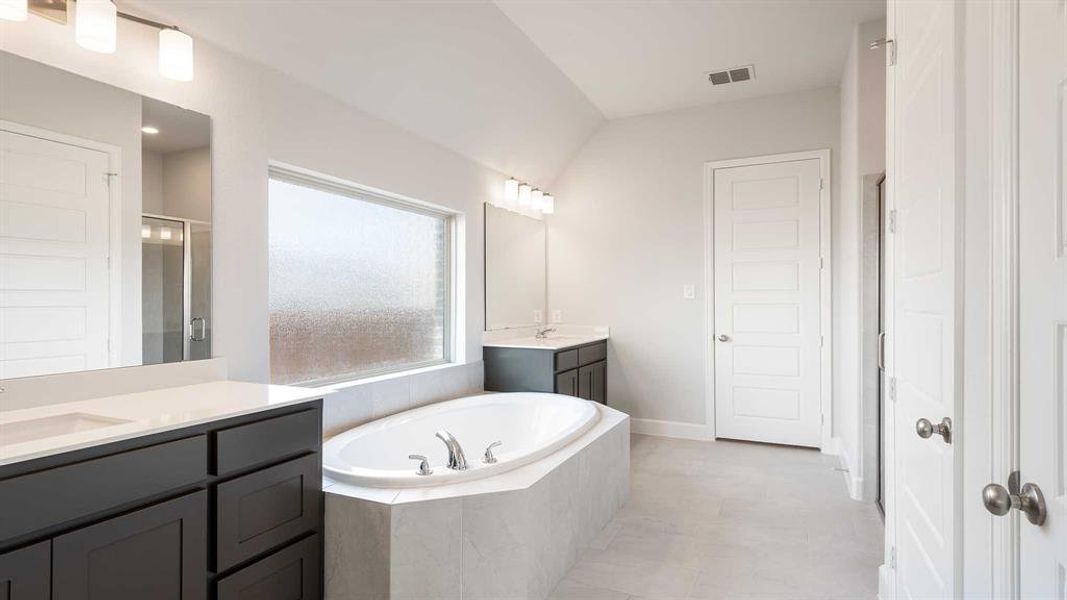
74 425
560 337
552 342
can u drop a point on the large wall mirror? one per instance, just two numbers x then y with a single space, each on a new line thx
515 269
105 225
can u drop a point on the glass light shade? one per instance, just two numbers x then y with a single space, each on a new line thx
511 191
525 195
14 10
535 199
175 55
96 25
548 204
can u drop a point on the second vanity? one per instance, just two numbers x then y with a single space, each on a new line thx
569 361
204 491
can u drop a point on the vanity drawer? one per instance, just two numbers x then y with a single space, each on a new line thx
292 573
49 498
591 354
266 441
568 359
265 509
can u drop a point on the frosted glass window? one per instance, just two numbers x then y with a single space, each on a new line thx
358 285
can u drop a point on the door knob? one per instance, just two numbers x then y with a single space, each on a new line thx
925 429
1028 499
723 337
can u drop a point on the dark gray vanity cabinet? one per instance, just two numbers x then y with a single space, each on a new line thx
225 510
580 371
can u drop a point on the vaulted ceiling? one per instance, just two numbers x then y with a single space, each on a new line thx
520 85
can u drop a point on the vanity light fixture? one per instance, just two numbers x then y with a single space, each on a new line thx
525 193
164 233
535 199
146 232
175 55
150 130
511 191
14 10
96 29
96 25
548 204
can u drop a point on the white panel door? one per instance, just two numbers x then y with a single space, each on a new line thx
767 307
922 300
54 234
1043 291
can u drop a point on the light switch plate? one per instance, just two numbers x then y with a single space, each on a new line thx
539 316
689 291
557 316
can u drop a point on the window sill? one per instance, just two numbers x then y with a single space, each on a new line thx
341 385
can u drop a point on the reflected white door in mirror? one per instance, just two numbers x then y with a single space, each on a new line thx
105 225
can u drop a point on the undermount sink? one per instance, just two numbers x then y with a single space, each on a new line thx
17 432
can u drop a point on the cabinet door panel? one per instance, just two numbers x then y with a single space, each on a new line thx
598 382
567 383
26 573
267 508
159 552
585 383
289 574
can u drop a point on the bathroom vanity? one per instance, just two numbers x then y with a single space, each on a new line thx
205 491
575 365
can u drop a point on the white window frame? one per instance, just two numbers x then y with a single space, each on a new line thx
453 230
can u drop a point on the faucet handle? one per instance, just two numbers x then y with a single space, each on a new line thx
489 458
424 465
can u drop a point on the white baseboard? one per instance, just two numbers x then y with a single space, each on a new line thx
853 482
671 429
883 582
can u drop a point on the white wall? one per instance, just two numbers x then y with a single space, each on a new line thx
187 184
628 233
151 182
862 154
259 115
62 103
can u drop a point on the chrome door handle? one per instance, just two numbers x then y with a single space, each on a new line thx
1028 499
881 350
926 429
195 324
723 337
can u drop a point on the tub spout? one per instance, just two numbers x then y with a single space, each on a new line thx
456 460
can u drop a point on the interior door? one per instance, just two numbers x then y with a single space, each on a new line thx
922 310
767 302
54 237
1043 292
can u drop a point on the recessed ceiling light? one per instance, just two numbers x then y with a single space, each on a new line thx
150 130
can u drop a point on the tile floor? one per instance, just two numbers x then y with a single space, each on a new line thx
731 520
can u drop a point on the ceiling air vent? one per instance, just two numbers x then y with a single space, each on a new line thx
734 75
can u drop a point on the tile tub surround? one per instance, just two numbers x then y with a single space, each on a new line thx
363 401
509 536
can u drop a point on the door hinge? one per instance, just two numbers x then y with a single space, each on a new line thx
891 220
890 50
822 263
891 388
821 341
893 557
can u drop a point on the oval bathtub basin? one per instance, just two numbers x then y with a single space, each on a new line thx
529 425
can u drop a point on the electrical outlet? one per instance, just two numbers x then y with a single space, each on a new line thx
689 291
557 316
539 316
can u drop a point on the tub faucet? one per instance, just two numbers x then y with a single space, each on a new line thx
456 460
